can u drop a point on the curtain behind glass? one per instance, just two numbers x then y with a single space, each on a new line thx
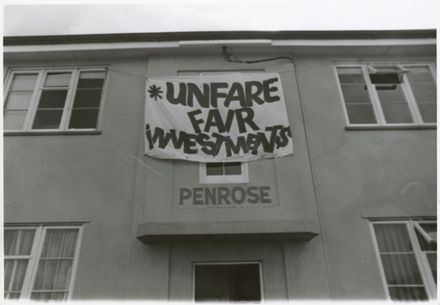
17 242
55 265
399 263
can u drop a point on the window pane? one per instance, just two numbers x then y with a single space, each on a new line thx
232 168
408 293
360 114
426 95
385 78
424 92
9 265
19 100
18 242
47 119
53 275
419 74
394 105
84 118
214 169
15 271
91 79
392 238
356 98
390 94
60 243
350 75
428 111
401 269
355 94
397 113
11 241
57 79
14 119
52 99
87 98
58 296
27 239
24 82
432 260
20 272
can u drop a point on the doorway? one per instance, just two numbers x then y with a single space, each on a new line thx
226 281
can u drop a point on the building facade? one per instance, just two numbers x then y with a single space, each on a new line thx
351 214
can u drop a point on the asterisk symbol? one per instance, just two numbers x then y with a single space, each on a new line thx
155 92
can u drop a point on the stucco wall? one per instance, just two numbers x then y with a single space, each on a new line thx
361 174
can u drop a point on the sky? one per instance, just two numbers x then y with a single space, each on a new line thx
94 16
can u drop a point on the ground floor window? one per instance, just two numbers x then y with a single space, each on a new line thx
40 261
407 252
227 282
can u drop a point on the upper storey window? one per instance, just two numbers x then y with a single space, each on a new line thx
388 94
53 99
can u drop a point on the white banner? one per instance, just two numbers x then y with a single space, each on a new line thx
217 118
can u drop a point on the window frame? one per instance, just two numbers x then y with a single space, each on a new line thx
223 179
35 256
70 98
374 98
421 260
256 262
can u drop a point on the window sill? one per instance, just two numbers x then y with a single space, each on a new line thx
223 180
390 127
51 132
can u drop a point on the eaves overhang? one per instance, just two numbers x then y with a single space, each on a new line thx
218 35
145 44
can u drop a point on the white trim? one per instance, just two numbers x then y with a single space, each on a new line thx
31 283
223 179
75 263
225 42
260 270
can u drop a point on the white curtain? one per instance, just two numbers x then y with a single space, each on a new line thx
55 265
16 242
399 262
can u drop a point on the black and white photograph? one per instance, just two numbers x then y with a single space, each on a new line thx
219 151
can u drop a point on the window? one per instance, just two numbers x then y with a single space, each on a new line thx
408 258
388 94
233 282
40 261
224 172
53 99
